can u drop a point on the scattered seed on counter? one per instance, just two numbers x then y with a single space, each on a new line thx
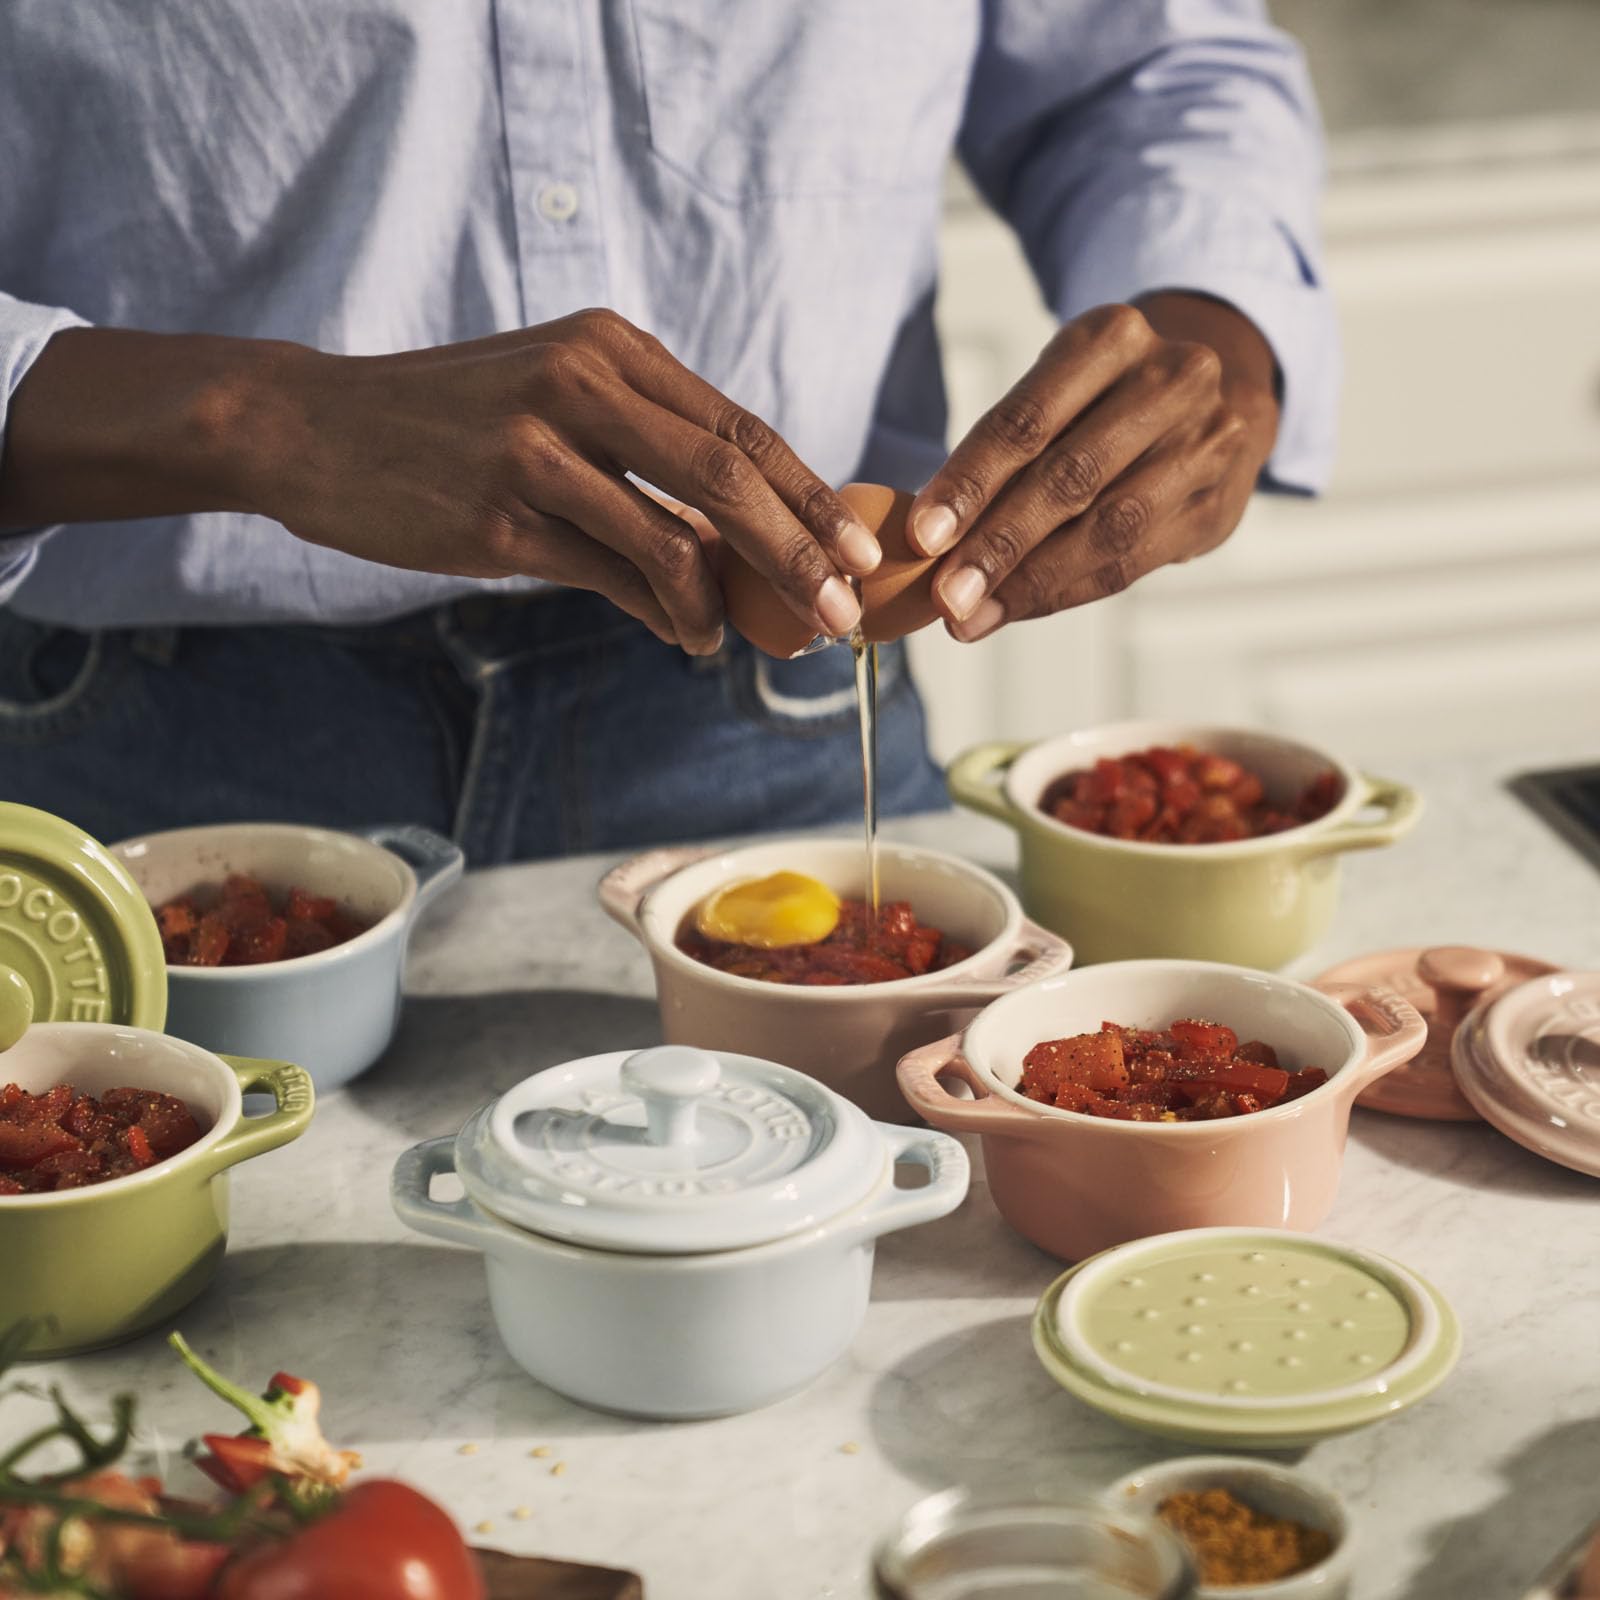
483 1527
466 1450
850 1448
522 1513
558 1469
540 1451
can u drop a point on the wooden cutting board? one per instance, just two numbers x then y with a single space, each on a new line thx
531 1578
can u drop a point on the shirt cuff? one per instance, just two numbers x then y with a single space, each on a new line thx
25 329
1233 251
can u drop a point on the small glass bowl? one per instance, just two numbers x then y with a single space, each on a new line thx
1278 1491
968 1545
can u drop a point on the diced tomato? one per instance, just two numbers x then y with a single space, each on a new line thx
305 938
1207 1039
309 907
123 1106
260 942
1262 1054
343 927
241 917
1092 1059
1081 1098
1129 815
70 1169
26 1144
1247 792
178 918
1170 766
85 1120
1238 1076
169 1126
1319 797
210 942
1215 773
867 966
1304 1081
1136 1111
51 1106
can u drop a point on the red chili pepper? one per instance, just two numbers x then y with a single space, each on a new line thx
284 1439
237 1461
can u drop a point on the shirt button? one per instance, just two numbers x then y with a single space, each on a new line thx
558 201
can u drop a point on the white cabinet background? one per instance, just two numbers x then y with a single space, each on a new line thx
1445 595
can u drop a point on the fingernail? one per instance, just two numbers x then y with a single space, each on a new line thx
859 550
983 621
837 607
705 645
962 591
936 529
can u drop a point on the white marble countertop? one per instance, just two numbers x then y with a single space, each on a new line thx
1463 1498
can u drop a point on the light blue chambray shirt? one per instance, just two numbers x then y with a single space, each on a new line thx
755 181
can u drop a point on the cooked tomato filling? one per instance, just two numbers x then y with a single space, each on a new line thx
62 1139
244 928
858 950
1180 795
1189 1071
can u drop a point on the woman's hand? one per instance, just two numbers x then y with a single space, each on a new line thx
1134 440
508 455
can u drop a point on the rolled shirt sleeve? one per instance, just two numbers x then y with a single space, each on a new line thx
1138 145
25 329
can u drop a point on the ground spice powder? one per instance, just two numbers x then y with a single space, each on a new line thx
1233 1543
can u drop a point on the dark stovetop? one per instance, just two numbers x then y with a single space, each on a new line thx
1569 800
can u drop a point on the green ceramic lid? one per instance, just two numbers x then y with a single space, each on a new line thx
1245 1337
78 941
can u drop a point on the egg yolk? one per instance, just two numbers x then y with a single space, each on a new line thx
786 908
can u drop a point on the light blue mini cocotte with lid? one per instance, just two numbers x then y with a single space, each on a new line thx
675 1232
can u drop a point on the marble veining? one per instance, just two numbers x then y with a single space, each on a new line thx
1468 1494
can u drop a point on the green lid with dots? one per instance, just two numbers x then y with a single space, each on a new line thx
1248 1338
78 941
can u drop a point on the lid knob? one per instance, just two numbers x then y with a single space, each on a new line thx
1460 967
16 1006
671 1080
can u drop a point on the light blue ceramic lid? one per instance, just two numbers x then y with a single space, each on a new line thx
671 1150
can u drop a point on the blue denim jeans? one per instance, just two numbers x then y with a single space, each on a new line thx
523 728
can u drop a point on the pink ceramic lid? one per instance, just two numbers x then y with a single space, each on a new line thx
1529 1062
1444 983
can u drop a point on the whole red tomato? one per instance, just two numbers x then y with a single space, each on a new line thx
384 1541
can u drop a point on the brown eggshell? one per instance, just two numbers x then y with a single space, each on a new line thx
753 607
896 599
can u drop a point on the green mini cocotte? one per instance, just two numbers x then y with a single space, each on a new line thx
83 991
